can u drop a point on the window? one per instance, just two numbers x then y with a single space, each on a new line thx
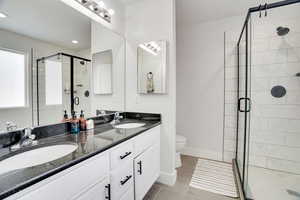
12 79
53 78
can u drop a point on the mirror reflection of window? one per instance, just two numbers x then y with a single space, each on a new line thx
53 82
12 79
102 72
152 67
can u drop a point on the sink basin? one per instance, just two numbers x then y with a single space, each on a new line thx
36 157
130 125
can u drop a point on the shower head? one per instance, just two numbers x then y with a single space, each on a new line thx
282 31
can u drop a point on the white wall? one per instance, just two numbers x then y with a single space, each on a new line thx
146 21
200 85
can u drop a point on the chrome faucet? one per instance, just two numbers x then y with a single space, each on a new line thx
100 112
27 138
10 126
117 118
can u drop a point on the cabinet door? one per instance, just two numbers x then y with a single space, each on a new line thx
100 191
146 170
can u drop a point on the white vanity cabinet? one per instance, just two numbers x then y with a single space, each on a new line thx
124 172
99 191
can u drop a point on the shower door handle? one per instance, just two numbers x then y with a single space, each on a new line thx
247 105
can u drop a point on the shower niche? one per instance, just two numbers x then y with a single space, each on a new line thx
152 64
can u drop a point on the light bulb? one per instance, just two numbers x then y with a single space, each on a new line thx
101 4
2 15
111 12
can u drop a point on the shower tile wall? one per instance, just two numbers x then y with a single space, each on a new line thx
230 117
275 122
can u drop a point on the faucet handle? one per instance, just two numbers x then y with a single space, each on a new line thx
10 126
28 131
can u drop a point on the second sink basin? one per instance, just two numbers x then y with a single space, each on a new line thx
130 125
36 157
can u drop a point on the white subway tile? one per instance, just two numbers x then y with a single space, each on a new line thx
268 137
294 55
283 165
231 109
230 121
284 152
231 72
293 140
259 84
230 133
231 84
228 156
269 57
230 97
260 161
229 145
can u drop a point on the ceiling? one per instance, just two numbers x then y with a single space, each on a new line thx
48 20
197 11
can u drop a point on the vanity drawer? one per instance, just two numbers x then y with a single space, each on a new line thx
70 182
121 180
129 195
146 139
121 154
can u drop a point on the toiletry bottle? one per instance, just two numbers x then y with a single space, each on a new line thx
74 124
66 117
82 121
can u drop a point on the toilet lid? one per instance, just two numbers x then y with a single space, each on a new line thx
180 138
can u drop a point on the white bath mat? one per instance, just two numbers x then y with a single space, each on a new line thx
214 176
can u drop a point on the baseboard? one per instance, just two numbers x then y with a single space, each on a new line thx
201 153
167 178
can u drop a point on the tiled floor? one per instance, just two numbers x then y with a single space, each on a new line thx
181 190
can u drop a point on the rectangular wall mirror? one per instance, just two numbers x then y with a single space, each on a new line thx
152 64
102 72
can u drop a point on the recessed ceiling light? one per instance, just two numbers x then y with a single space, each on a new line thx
74 41
2 15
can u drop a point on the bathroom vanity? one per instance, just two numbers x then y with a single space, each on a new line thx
110 162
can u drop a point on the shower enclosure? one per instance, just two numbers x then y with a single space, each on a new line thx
62 84
268 106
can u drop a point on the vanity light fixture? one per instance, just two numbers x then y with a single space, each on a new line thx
74 41
151 47
95 9
2 15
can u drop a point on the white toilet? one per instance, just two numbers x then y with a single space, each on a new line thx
180 144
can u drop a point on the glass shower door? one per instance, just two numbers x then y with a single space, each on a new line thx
243 102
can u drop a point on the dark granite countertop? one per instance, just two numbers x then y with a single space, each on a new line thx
89 143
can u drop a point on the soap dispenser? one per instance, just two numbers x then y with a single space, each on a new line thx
74 124
66 117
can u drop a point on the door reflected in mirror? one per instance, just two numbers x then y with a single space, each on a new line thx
102 72
152 64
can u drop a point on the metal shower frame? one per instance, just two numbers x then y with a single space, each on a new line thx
247 100
72 57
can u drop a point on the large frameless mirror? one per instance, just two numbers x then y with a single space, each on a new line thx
47 69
